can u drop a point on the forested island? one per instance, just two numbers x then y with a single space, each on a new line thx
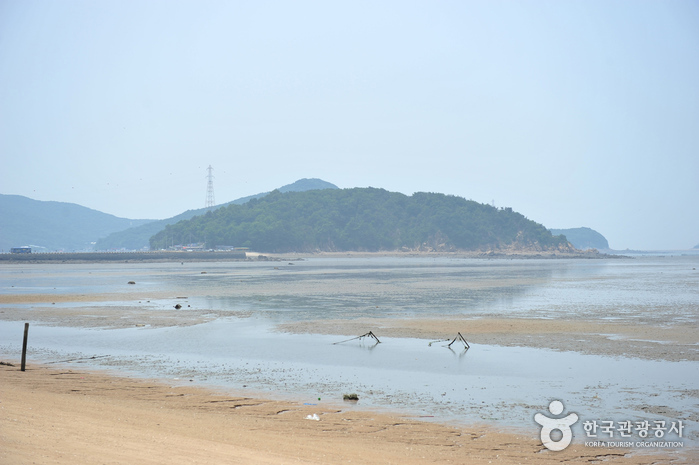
583 238
361 219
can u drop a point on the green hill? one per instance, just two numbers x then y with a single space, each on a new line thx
137 238
583 238
361 219
52 226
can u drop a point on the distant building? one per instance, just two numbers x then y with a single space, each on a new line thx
21 250
193 247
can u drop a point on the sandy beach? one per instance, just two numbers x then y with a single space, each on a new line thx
69 416
64 414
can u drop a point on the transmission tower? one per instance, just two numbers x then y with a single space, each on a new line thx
210 202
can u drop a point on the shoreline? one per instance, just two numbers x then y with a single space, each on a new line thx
65 415
58 413
182 256
470 254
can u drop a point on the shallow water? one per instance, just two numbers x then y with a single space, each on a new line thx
485 383
657 290
505 385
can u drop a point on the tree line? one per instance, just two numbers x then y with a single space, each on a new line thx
359 219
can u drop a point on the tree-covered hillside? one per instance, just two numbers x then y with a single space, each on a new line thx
137 238
583 238
360 219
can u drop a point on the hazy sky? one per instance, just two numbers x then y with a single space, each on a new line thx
572 113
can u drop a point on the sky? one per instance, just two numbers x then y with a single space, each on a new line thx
573 113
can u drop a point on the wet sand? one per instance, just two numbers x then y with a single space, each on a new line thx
64 416
75 417
643 339
675 343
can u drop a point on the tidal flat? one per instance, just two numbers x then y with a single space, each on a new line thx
612 339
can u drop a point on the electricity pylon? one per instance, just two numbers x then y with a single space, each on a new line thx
210 202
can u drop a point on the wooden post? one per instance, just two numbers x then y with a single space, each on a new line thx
24 345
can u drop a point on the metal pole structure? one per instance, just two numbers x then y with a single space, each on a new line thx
210 202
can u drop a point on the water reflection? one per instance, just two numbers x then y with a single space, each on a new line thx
367 346
387 287
449 383
461 354
471 384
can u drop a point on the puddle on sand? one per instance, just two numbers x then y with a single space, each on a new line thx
505 385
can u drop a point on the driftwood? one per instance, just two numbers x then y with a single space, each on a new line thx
369 334
459 337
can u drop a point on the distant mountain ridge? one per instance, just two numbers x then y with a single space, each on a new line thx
583 238
50 226
362 219
54 226
137 238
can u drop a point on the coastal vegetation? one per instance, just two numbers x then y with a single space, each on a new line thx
583 238
136 238
360 219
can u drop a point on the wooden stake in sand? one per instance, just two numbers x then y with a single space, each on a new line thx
24 346
369 334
